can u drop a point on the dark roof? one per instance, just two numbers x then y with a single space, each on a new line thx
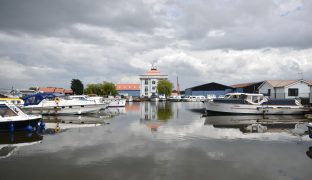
210 87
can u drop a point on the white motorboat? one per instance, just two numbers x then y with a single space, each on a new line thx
13 118
244 103
154 98
49 104
175 98
196 99
96 99
115 101
13 100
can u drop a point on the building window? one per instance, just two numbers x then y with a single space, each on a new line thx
269 92
153 82
293 92
146 89
146 81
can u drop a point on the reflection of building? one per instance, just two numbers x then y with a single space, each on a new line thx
148 111
133 107
128 89
149 82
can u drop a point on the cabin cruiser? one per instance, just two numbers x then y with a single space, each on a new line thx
50 104
13 118
154 98
196 99
175 98
97 99
13 100
115 101
244 103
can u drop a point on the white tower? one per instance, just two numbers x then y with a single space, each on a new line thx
149 82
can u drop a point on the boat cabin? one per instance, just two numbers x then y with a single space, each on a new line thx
6 111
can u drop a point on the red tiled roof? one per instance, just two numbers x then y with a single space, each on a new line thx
55 90
59 90
123 87
68 91
47 89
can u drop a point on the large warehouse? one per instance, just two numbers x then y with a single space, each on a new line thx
208 89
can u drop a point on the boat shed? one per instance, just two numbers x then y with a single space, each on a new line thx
208 89
128 89
247 87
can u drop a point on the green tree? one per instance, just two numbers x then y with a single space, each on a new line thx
101 89
77 86
164 87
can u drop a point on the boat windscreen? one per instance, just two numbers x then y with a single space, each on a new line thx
35 99
5 111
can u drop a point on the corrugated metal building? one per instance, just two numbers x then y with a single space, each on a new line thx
208 89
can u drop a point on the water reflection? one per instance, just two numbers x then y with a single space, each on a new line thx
10 142
113 111
59 123
309 152
260 124
156 114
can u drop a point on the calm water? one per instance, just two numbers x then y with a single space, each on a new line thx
159 141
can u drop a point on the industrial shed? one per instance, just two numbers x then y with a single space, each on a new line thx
208 89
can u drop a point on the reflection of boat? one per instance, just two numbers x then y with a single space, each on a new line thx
10 142
115 101
13 118
255 123
69 122
114 111
309 152
243 103
50 104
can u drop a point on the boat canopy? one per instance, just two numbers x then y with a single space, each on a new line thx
35 99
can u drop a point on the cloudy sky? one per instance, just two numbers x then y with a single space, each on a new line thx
48 43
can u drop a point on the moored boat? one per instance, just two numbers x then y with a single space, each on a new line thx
12 118
96 99
50 104
244 103
13 100
154 98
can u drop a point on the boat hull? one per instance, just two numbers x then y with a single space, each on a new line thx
19 125
240 109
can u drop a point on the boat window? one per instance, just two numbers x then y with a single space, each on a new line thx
5 111
254 99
